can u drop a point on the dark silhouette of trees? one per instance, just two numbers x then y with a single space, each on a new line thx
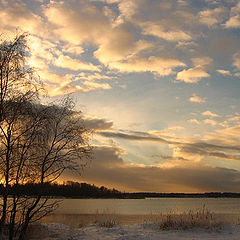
37 142
17 86
68 189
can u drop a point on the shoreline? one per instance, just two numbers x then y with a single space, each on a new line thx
76 220
133 232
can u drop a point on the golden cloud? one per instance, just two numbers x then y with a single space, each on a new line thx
192 75
169 35
109 168
196 99
116 45
224 72
193 120
201 61
234 20
211 122
56 90
67 62
15 14
209 113
211 17
77 22
161 66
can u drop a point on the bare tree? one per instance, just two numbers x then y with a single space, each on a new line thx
17 131
16 79
17 85
37 142
60 144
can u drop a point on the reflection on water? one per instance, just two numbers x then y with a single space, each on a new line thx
77 212
148 206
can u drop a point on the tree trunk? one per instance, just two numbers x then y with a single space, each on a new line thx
24 229
4 213
12 219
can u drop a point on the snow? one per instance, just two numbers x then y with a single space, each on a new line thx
136 232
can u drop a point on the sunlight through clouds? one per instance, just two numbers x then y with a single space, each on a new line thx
158 82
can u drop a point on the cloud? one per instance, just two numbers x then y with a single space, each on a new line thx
90 86
209 113
194 121
158 136
77 21
67 62
15 14
221 138
116 45
202 61
97 124
176 128
127 9
232 131
224 72
42 49
196 99
137 137
237 118
236 60
237 74
211 122
108 168
55 79
192 75
76 50
58 90
212 17
168 35
94 76
204 153
234 20
194 150
66 87
161 66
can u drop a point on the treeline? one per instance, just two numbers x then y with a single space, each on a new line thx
68 189
183 195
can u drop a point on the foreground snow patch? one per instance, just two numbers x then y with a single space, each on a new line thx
137 232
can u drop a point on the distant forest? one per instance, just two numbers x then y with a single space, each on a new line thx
70 189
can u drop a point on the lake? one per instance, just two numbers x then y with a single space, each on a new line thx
80 212
148 206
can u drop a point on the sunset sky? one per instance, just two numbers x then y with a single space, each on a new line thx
159 81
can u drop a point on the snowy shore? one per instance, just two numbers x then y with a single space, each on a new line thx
52 231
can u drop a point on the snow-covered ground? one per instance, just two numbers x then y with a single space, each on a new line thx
134 232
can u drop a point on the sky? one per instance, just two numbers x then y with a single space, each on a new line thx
157 80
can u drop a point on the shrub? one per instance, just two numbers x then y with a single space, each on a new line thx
203 219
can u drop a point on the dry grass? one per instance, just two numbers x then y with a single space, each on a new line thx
106 220
202 219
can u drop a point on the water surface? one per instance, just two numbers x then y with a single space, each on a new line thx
148 206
